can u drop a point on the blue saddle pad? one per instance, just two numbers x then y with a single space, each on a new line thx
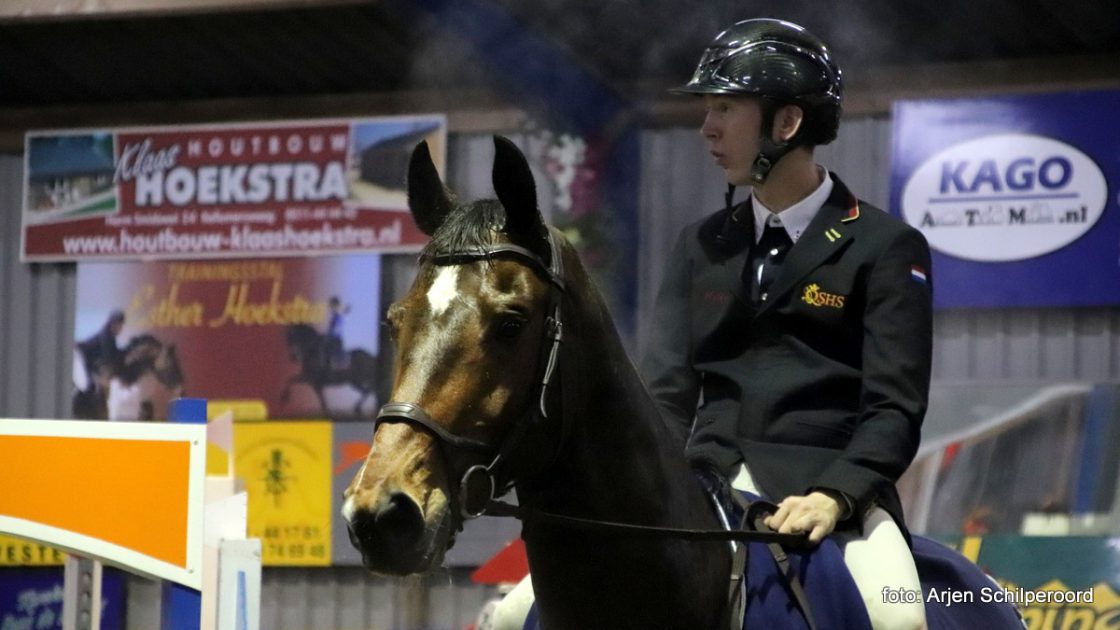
945 571
836 602
833 596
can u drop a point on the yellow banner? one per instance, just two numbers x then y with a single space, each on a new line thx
286 467
17 552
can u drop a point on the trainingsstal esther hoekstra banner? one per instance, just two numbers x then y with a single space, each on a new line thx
232 190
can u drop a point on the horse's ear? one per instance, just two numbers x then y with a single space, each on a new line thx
516 189
428 199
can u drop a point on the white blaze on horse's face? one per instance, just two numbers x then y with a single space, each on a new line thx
444 290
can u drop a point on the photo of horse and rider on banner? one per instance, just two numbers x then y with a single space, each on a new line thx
300 335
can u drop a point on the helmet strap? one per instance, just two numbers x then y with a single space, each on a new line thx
725 236
769 152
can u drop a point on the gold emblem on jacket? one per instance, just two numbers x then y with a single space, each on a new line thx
815 297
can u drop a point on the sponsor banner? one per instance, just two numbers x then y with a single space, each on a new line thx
286 467
298 337
31 599
236 190
16 552
1016 196
1058 582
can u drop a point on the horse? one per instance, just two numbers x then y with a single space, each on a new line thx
309 349
509 372
139 386
150 377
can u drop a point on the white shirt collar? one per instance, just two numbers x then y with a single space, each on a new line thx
796 218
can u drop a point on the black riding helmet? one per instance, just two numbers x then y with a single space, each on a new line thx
782 63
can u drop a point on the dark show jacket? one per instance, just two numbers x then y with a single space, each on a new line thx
826 383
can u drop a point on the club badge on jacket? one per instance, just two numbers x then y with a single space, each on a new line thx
813 296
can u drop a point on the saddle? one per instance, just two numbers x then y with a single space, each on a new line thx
828 595
747 512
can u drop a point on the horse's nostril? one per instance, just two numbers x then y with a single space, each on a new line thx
399 520
396 524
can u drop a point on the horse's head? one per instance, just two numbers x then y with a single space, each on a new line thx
471 349
144 347
167 367
303 342
139 356
150 378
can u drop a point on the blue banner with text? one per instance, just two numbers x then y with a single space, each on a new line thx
1016 196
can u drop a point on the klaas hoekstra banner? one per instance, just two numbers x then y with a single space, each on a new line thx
232 190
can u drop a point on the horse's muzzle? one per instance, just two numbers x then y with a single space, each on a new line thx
393 538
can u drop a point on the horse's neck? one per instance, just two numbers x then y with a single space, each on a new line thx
620 462
621 459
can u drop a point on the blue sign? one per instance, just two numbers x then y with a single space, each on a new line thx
1016 196
31 599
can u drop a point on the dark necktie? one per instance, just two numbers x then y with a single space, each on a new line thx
766 260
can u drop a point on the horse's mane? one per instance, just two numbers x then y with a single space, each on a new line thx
468 226
610 353
141 340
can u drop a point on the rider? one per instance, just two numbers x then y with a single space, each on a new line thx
793 330
335 351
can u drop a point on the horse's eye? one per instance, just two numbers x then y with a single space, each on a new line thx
510 327
388 327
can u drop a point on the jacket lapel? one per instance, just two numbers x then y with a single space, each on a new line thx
829 232
733 269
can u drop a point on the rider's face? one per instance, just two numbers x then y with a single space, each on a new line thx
731 128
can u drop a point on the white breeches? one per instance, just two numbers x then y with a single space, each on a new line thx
880 563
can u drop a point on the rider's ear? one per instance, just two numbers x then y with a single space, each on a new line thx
516 189
428 199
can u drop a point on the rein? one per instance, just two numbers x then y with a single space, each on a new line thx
530 516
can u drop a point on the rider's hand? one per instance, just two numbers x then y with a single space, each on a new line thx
816 514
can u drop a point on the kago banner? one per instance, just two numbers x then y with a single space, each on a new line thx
233 190
1016 196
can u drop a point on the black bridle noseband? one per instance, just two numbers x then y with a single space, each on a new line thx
494 479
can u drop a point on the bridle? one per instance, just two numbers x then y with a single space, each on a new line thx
480 484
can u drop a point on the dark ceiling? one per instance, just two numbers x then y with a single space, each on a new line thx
393 46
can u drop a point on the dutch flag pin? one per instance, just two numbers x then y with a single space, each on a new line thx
917 273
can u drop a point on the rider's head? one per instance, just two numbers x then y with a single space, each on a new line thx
779 64
115 322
